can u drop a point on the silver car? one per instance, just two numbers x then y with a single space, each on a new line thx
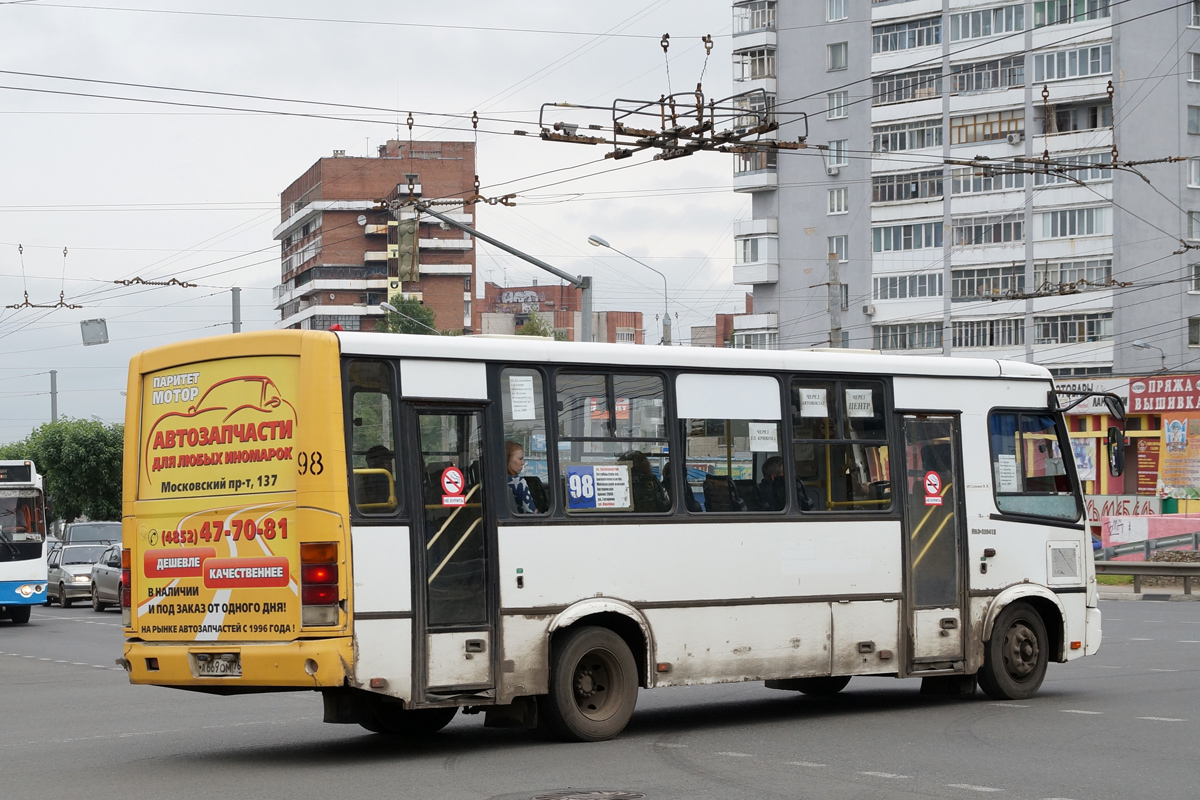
106 579
69 572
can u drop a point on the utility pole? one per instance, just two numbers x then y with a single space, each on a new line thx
582 282
835 303
237 309
54 395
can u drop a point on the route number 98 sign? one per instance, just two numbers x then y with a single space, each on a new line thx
596 487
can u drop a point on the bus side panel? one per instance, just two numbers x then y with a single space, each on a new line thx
382 608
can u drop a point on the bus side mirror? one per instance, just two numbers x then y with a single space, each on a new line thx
1116 451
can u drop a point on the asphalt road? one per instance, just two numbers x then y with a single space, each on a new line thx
1124 723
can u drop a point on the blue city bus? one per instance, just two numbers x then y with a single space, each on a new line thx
22 540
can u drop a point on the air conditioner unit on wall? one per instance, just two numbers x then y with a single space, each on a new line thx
830 170
1016 138
869 310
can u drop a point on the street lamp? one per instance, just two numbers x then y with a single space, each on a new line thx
596 241
1140 345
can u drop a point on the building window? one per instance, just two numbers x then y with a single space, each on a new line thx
837 105
765 340
1075 63
907 135
1075 222
1193 331
989 332
1060 12
1194 173
900 87
906 35
1195 271
907 336
1194 120
839 201
837 56
1194 224
839 152
1087 167
757 161
755 109
997 229
626 336
920 236
1073 328
1080 118
747 251
321 323
979 283
986 127
1079 274
837 244
751 65
902 287
925 185
971 180
984 76
993 21
756 16
1195 14
837 10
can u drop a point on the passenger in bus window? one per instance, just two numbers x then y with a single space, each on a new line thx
514 457
376 488
771 490
648 493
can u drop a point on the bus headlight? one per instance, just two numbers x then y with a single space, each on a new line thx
30 589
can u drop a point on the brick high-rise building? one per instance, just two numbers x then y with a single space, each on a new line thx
333 237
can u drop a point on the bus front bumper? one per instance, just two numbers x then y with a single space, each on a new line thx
310 664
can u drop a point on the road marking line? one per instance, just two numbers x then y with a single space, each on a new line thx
1188 641
1141 640
804 764
1077 711
973 788
1152 669
668 744
1163 719
736 755
1104 666
1009 705
883 775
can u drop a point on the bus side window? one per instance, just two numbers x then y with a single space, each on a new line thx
613 442
526 459
839 436
1029 467
372 436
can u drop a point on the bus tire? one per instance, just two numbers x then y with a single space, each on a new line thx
63 600
820 687
19 614
593 686
1015 658
391 719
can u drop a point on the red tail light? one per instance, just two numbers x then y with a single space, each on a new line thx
319 586
126 591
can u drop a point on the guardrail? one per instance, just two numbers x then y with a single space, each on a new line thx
1151 545
1138 569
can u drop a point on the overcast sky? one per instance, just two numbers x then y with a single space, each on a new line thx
158 191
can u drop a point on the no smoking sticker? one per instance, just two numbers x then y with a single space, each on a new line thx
933 489
452 485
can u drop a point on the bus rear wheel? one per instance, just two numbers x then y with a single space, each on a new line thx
593 687
1015 658
19 614
391 719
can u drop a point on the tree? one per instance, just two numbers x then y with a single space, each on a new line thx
414 317
81 462
539 326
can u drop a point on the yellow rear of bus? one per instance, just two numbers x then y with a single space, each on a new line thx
235 515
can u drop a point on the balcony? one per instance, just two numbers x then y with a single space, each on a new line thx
465 243
763 226
756 272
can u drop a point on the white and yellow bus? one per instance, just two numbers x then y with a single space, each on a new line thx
533 529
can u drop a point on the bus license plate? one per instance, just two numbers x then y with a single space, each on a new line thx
217 665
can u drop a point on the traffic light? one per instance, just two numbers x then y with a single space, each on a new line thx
402 250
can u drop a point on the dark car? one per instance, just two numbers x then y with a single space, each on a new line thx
92 533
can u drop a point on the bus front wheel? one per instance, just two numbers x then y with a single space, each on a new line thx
593 686
19 614
1015 658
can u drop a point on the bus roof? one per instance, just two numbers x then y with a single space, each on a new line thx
540 350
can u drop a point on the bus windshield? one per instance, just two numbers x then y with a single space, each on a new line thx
19 518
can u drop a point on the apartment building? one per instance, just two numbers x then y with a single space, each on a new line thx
337 265
505 309
1088 272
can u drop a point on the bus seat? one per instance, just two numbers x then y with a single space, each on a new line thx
720 494
748 491
537 489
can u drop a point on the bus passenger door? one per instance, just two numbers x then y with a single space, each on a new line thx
933 528
453 648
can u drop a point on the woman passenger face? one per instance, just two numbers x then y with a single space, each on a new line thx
516 462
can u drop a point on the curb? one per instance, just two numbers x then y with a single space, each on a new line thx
1151 596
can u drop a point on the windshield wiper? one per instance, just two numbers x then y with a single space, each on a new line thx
8 543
